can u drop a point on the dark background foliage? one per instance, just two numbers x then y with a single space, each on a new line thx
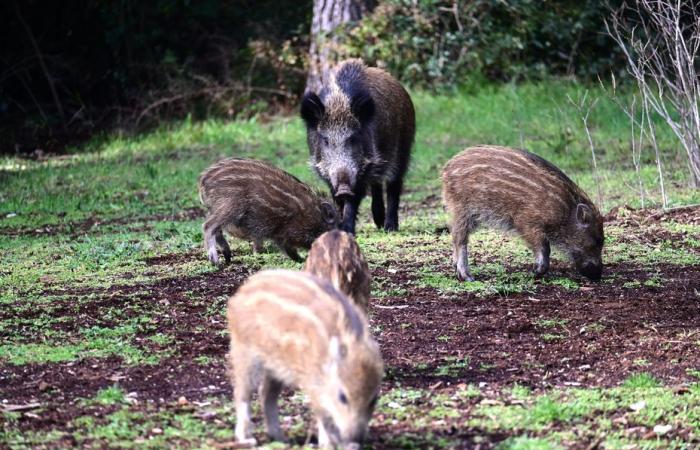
129 63
437 43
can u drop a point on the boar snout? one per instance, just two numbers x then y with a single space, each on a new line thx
592 271
342 185
343 192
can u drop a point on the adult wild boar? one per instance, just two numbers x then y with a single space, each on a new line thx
360 129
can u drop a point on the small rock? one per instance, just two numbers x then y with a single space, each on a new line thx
206 415
638 405
44 386
393 405
157 431
662 429
182 401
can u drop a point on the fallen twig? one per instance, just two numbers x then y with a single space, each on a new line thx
391 307
10 408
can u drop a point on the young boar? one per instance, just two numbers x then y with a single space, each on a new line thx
255 201
517 190
293 329
360 130
336 257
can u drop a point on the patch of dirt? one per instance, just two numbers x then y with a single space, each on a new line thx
174 305
607 332
624 215
94 224
596 335
174 258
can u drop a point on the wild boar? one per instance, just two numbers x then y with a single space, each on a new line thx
293 329
518 190
255 201
336 257
360 129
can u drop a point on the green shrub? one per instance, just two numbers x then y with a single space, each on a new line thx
437 43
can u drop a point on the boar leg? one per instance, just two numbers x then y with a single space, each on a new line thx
350 209
538 243
223 245
378 213
460 251
244 385
542 259
269 392
292 253
258 246
393 193
212 229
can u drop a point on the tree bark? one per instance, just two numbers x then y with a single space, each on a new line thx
323 54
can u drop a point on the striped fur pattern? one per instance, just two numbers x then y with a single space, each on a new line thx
517 190
360 129
290 328
255 201
336 257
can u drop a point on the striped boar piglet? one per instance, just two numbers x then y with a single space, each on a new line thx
336 257
293 329
518 190
360 129
255 201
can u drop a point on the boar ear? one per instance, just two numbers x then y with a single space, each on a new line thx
584 215
330 215
362 106
312 109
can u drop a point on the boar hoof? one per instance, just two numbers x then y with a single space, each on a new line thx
390 226
539 272
293 255
213 256
465 277
248 442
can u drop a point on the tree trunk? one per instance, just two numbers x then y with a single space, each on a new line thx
323 54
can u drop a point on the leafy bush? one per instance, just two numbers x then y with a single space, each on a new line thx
441 43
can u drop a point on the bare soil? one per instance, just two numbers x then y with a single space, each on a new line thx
605 334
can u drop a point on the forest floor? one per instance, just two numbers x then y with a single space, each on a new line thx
113 331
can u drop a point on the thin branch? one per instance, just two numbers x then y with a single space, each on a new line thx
661 54
42 64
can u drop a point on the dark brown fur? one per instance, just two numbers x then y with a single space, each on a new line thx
255 201
336 257
517 190
360 129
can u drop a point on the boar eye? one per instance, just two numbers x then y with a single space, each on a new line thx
343 398
324 140
353 140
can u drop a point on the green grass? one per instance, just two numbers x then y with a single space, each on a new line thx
156 172
121 200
